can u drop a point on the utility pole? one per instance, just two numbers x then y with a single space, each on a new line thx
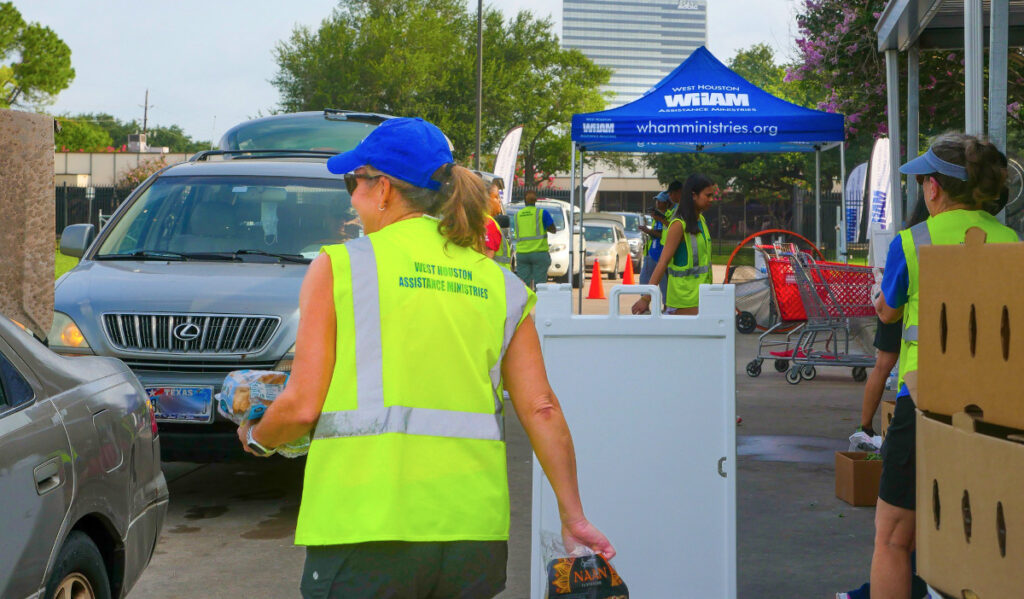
479 75
145 114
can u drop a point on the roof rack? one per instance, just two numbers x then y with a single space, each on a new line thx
351 115
203 155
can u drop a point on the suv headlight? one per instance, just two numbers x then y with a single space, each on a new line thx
285 363
65 336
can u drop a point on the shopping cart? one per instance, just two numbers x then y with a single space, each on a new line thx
833 295
787 310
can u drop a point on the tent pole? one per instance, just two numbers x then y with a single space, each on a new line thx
913 120
974 64
573 232
572 222
892 88
817 196
842 199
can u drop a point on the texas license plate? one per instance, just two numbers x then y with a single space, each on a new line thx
181 404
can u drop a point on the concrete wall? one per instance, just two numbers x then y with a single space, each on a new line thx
28 208
105 168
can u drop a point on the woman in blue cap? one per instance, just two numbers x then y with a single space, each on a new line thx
962 178
406 340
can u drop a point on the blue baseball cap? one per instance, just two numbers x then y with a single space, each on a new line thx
410 149
662 197
928 164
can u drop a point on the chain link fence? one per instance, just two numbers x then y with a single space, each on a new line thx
76 205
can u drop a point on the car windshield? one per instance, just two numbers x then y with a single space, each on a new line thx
632 222
180 216
297 132
598 234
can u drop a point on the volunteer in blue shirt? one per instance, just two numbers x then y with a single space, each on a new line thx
652 246
962 177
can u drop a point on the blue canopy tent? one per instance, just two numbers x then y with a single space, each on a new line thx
703 106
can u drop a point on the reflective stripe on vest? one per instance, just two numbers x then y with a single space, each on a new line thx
921 237
372 417
695 270
539 228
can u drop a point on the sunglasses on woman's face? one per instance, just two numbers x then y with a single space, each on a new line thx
352 180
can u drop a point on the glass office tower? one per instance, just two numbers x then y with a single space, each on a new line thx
640 40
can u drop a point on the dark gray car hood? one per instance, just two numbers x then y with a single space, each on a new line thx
152 286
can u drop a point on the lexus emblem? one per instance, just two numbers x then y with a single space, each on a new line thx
186 332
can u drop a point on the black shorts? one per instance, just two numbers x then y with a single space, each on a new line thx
888 336
403 570
899 458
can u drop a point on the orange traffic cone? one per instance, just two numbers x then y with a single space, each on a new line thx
596 287
627 276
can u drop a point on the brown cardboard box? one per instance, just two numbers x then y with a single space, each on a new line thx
857 478
28 208
970 508
888 409
971 330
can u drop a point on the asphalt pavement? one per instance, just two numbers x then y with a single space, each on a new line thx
230 527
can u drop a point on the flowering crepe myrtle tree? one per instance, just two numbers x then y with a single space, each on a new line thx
838 52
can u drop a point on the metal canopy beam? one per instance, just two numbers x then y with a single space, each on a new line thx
938 24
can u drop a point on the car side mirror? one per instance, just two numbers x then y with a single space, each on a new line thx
76 239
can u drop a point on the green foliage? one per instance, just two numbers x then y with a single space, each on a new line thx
35 64
80 136
766 177
118 131
418 58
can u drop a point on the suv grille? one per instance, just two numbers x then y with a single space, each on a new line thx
200 366
217 333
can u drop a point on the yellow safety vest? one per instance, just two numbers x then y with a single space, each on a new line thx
504 254
948 228
410 443
690 266
530 234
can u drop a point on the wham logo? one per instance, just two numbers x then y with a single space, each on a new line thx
599 127
707 99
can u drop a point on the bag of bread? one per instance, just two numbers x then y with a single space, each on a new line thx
246 394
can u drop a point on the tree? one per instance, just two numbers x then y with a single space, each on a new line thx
171 136
80 136
838 51
768 178
35 64
417 57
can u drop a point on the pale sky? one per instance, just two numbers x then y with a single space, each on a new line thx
208 63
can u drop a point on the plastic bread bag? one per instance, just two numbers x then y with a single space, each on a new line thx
246 394
580 573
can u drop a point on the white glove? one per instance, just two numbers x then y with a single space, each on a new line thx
876 289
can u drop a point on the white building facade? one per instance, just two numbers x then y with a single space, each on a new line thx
640 40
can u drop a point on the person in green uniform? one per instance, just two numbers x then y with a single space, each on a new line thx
532 227
407 339
961 177
686 249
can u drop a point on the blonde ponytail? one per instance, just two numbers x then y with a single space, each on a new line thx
460 205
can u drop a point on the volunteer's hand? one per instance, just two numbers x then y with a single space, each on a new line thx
243 432
876 289
642 305
582 532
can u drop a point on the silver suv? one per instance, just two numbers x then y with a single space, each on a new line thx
198 274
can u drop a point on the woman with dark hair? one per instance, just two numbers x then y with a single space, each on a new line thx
686 249
962 178
407 339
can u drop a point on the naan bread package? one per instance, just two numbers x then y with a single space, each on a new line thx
246 394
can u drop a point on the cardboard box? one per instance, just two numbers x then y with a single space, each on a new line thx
971 330
970 508
28 208
888 409
857 478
